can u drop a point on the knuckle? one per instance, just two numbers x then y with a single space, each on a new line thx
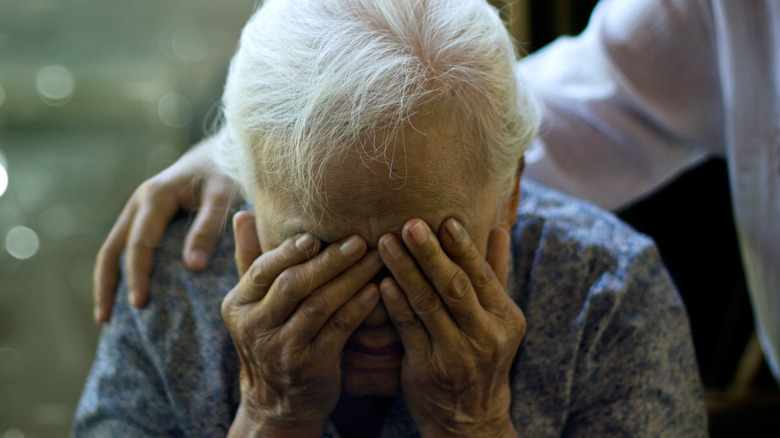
407 323
313 309
149 189
228 306
518 318
288 285
257 277
156 185
426 303
485 277
457 285
285 281
339 323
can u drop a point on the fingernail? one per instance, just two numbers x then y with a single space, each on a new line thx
133 299
455 229
369 294
305 242
350 247
389 290
392 247
198 259
419 233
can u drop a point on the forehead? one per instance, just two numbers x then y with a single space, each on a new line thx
425 172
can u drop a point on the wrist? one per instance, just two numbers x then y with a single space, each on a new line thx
501 429
248 424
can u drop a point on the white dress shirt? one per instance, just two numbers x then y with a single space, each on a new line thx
651 88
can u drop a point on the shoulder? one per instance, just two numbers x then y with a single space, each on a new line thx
574 234
170 367
607 342
573 259
180 298
570 256
170 270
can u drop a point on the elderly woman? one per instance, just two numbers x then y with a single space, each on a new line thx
387 284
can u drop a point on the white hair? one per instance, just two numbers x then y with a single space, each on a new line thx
313 78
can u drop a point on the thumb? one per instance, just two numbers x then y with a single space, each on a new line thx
247 242
498 253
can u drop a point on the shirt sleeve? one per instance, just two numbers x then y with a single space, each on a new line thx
630 103
125 394
608 348
170 368
635 369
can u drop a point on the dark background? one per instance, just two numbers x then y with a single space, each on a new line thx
692 223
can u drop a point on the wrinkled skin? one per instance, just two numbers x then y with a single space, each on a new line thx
294 310
459 328
191 183
290 316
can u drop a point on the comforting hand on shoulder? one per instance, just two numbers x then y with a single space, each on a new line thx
193 182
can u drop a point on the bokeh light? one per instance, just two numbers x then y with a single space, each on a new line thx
189 45
183 44
21 242
3 179
55 84
13 433
175 110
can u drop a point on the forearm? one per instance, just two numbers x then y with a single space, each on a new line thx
636 99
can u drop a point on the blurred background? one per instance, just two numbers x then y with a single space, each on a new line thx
97 96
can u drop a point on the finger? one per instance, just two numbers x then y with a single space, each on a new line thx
106 273
422 298
149 224
257 280
482 277
218 200
321 305
295 283
246 240
497 256
448 279
346 320
410 328
264 270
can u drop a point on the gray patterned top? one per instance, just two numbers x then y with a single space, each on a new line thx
607 350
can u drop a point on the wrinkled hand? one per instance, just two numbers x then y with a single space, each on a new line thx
459 328
191 182
290 316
